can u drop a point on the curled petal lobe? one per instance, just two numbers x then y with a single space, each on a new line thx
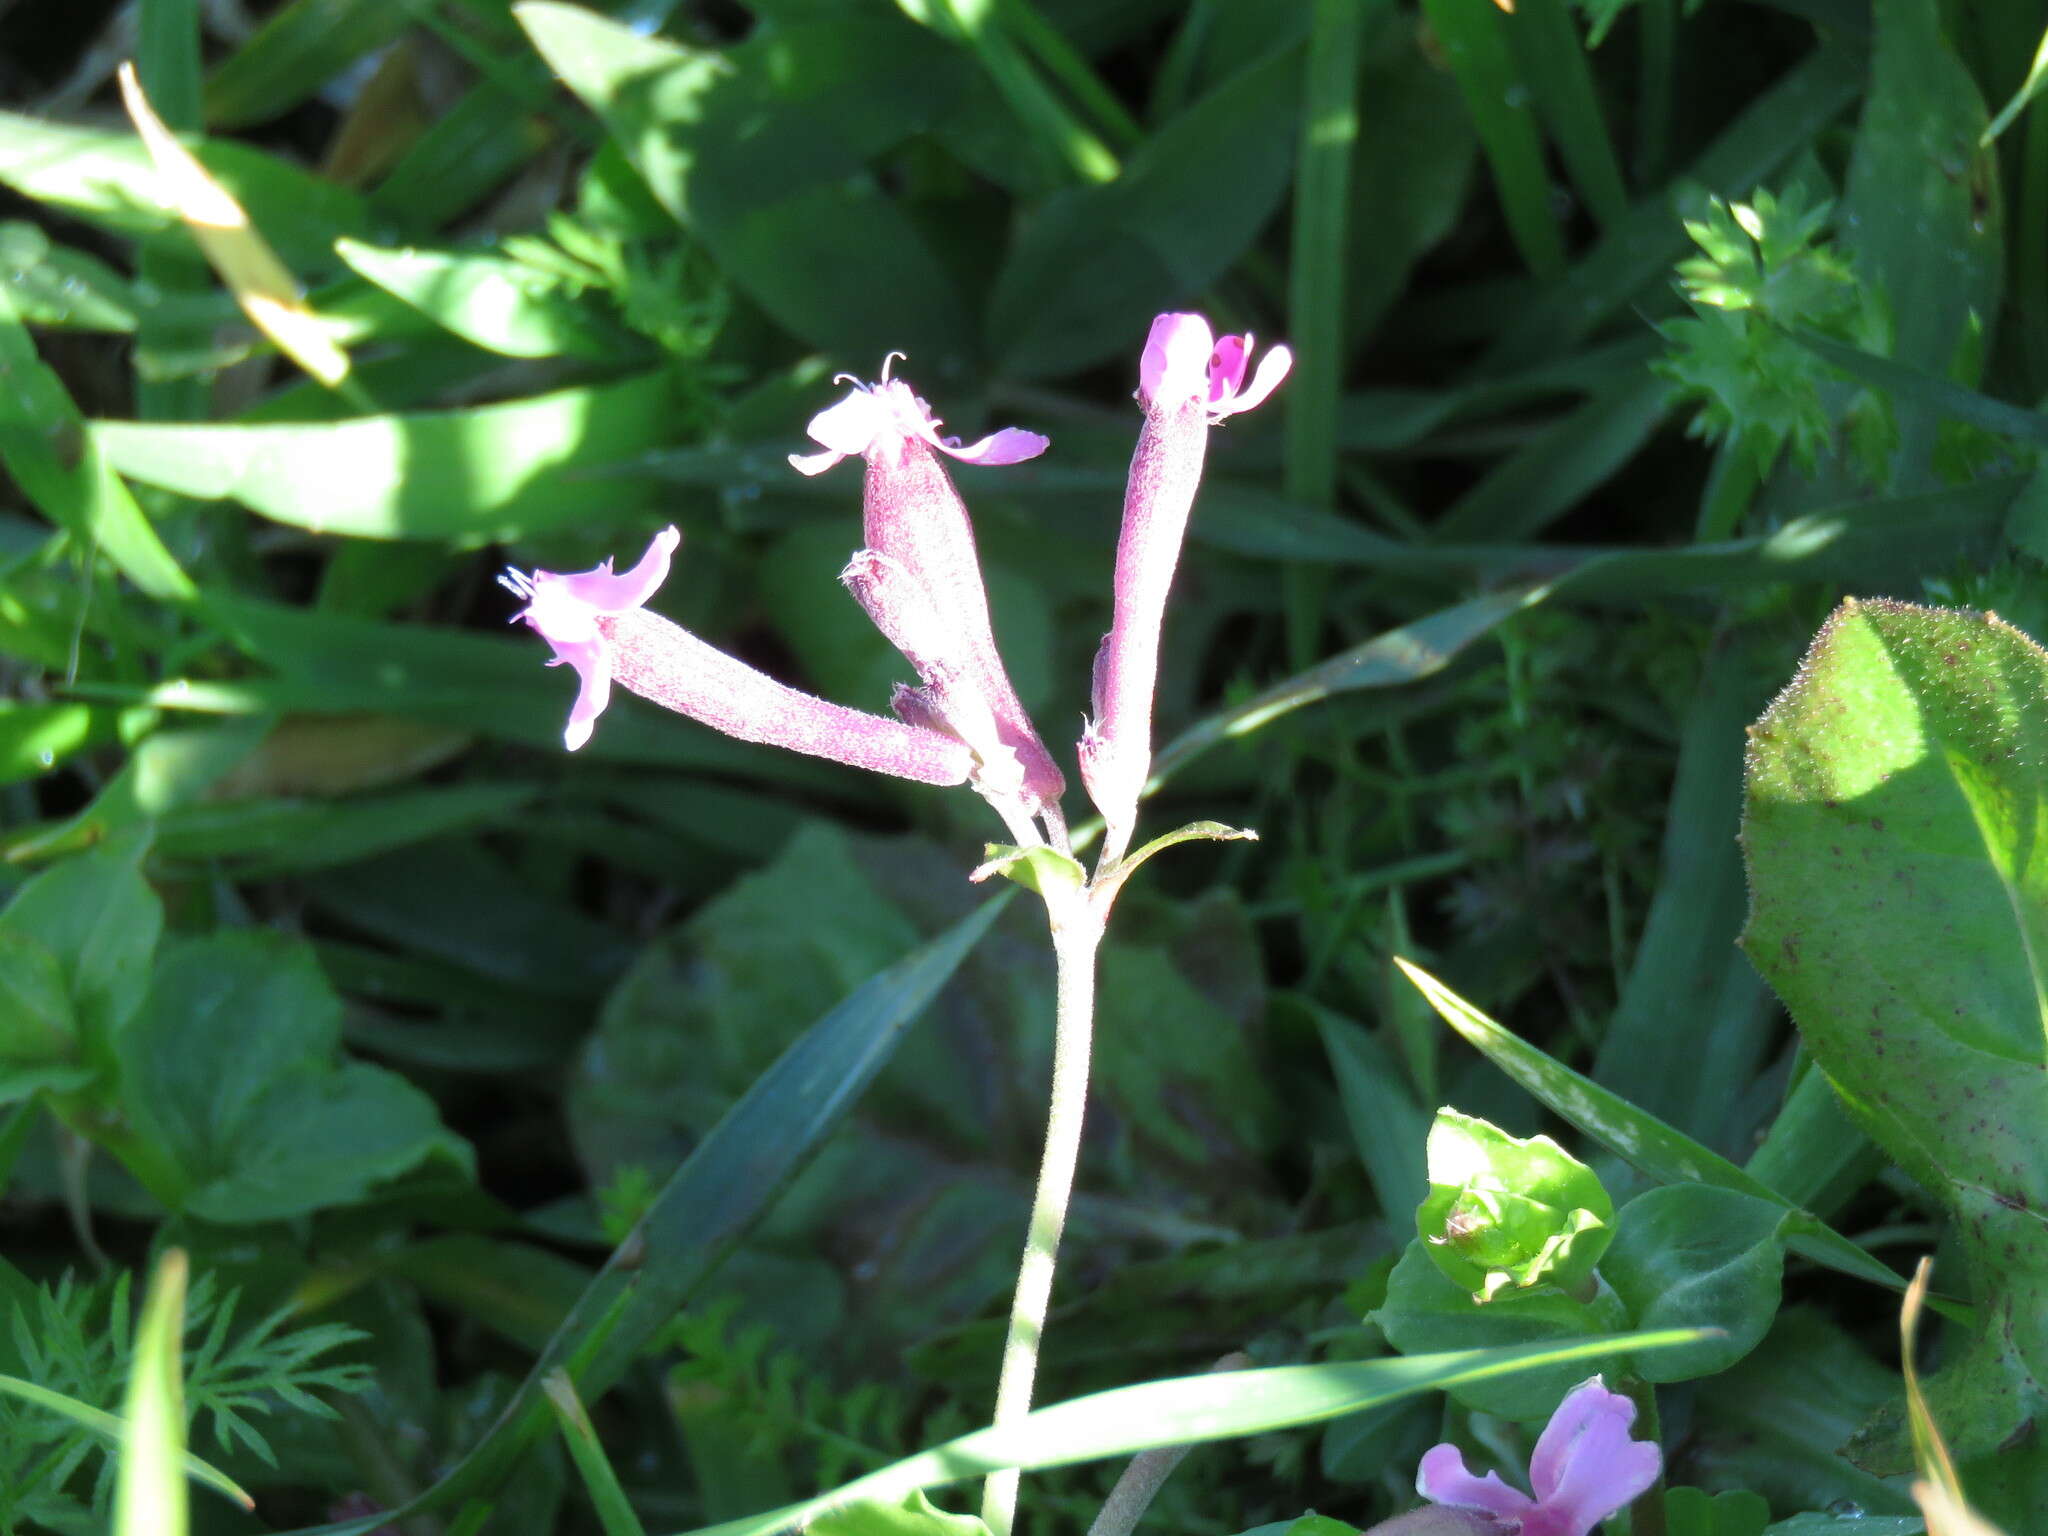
1011 445
1444 1479
1273 368
594 670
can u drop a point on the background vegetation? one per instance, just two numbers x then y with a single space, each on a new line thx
1630 340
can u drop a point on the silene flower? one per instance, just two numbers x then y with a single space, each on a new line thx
1187 381
918 537
1584 1468
595 622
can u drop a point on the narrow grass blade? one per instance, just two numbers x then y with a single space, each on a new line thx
1937 396
297 50
1639 1139
1474 41
614 1510
1545 39
1188 1410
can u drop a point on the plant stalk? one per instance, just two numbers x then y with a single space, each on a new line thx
1076 937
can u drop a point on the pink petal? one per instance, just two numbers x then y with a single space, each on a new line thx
1585 1466
848 427
1444 1479
1175 364
1272 369
814 463
607 593
1012 445
1226 367
594 667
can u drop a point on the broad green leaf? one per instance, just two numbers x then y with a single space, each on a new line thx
167 770
1426 1311
761 152
105 178
1094 264
101 921
1899 905
230 1069
1504 1211
469 476
1692 1256
500 304
54 285
149 1490
1733 1512
1639 1139
38 1025
716 1196
45 446
1194 1409
36 737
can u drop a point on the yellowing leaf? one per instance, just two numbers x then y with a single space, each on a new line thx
260 282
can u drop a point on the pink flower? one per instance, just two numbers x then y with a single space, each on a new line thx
913 518
1585 1467
565 610
595 623
880 419
1187 380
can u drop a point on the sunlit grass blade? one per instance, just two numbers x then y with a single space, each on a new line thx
614 1511
260 282
2037 76
1400 656
1939 1489
149 1489
1189 1410
1638 1138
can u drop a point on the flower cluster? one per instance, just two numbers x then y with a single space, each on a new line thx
918 576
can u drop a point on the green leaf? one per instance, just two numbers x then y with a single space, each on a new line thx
1922 197
230 1069
1094 264
38 1027
1639 1139
45 446
2037 77
1692 1256
1387 1124
1045 871
913 1516
614 1509
1899 904
299 49
54 285
1734 1512
100 920
502 305
761 152
1193 832
105 178
149 1492
471 476
1502 1211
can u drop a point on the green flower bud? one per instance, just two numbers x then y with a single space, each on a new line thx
1502 1211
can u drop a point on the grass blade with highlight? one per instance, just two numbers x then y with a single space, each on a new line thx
149 1490
614 1510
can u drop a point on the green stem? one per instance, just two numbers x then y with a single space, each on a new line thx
1646 1515
1076 936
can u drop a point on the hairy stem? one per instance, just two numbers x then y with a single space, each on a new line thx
1076 936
